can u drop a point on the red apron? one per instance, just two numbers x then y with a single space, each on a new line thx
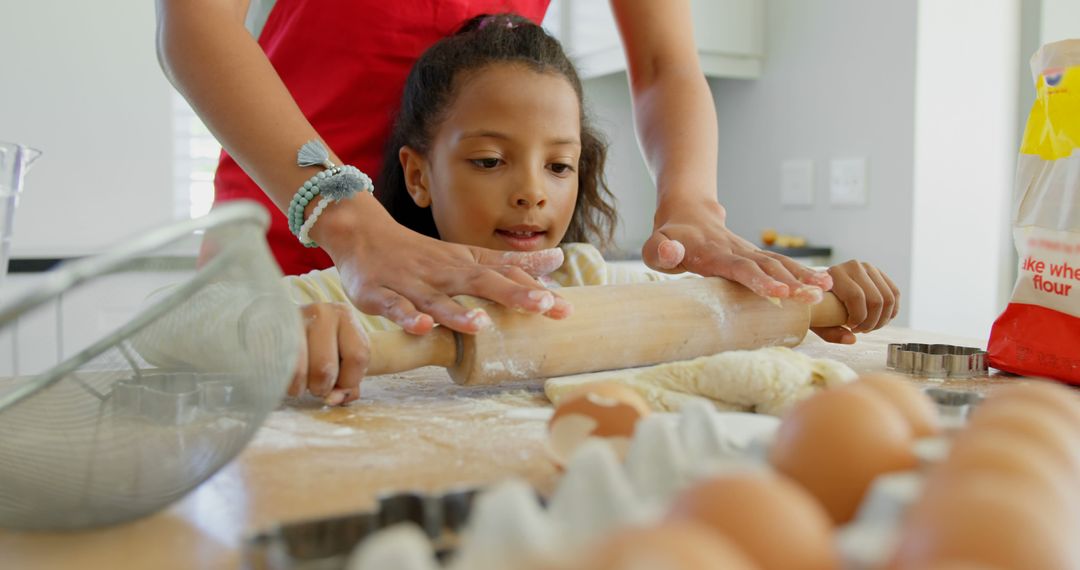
345 64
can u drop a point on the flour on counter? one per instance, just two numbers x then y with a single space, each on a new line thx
422 411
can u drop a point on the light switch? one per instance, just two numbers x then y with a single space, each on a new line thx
797 183
847 182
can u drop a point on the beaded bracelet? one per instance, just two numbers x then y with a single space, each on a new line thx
336 183
310 222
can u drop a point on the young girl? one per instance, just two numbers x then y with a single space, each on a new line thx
492 148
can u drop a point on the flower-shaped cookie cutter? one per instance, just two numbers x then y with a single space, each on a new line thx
174 398
937 360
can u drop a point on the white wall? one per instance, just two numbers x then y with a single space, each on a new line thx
837 83
80 81
849 78
607 101
965 154
1061 20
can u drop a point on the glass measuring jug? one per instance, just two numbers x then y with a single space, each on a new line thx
15 161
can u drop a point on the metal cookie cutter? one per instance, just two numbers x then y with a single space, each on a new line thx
326 543
937 360
174 398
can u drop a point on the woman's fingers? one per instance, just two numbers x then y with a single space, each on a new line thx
741 269
662 253
799 290
560 310
534 263
820 279
386 303
729 256
410 279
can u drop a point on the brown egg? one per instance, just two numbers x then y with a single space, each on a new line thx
678 545
917 408
958 565
605 410
777 523
990 520
835 443
1032 421
1056 398
999 451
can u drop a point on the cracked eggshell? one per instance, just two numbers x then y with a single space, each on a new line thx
604 410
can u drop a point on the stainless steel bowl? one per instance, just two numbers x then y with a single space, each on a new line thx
144 414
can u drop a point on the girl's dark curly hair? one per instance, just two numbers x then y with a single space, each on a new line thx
429 90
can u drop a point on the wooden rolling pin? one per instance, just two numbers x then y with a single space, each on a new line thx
614 326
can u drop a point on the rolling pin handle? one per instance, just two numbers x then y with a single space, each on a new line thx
830 312
398 351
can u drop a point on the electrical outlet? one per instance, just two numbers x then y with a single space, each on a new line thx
797 183
847 182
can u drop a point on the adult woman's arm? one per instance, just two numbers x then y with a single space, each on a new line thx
387 270
676 124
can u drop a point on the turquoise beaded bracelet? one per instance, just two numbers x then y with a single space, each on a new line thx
336 183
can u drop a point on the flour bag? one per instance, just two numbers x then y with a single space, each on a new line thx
1039 332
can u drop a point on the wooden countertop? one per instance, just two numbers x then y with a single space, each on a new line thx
415 431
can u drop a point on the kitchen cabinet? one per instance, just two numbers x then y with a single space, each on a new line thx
729 36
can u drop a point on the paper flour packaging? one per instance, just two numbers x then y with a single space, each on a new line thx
1039 332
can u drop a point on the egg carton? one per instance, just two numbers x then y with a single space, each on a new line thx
496 528
326 543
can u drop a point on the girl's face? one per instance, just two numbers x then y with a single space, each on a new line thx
501 171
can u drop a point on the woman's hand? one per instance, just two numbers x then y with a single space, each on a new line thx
391 271
334 357
871 299
694 238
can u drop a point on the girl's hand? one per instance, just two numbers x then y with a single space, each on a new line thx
409 278
334 358
695 239
871 299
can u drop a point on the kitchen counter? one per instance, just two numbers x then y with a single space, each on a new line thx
414 431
